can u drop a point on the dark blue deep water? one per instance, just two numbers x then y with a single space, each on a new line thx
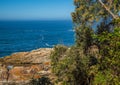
18 36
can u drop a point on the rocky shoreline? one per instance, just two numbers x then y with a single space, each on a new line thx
21 67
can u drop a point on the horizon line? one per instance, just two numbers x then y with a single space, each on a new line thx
36 20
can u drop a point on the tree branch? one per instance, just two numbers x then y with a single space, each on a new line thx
113 15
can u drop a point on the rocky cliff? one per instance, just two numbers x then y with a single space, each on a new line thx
24 66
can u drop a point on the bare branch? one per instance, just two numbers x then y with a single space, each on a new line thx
113 15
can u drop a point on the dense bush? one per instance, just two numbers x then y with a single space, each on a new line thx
109 67
71 67
41 81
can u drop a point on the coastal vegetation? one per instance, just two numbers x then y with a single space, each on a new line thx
95 57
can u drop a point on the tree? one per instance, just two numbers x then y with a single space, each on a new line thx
96 23
103 16
95 14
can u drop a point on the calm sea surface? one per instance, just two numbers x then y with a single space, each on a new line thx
18 36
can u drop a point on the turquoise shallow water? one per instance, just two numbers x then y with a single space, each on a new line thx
18 36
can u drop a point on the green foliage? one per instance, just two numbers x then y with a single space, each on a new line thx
72 67
58 54
84 38
95 58
109 66
41 81
100 79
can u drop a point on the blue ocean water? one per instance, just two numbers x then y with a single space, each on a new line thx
19 36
